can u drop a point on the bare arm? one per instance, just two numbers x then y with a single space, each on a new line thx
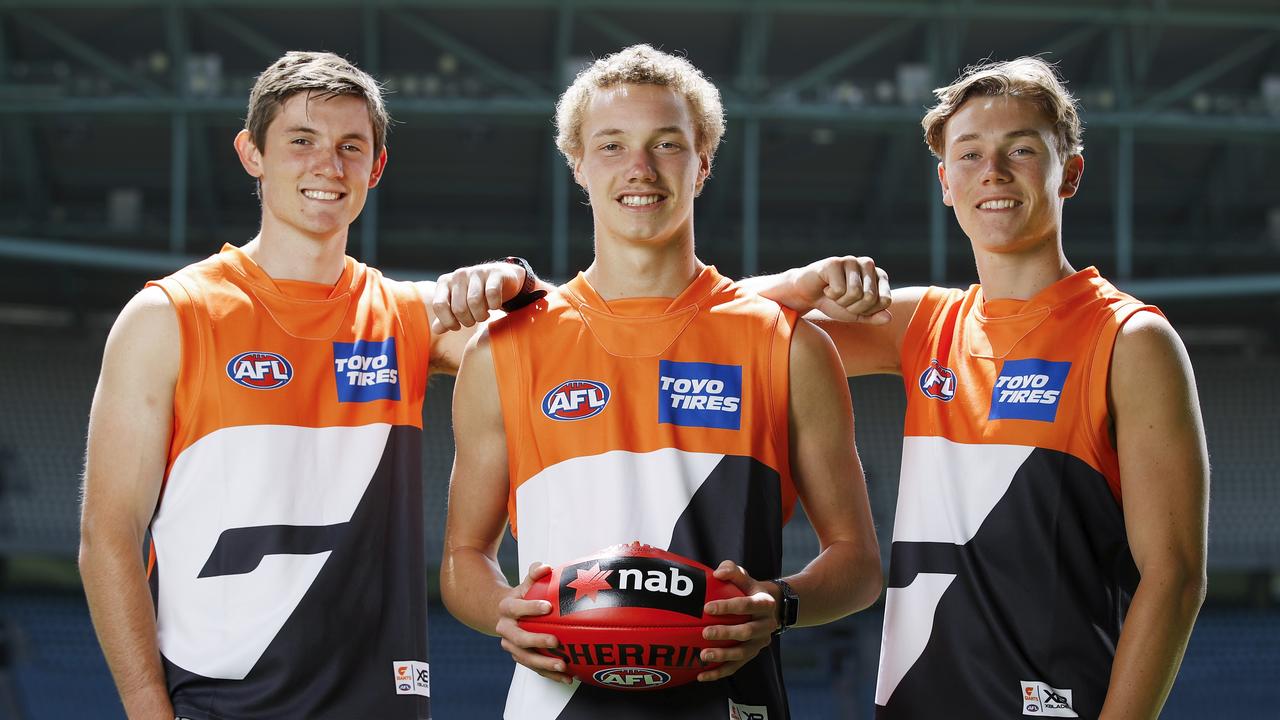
129 427
471 581
848 298
1164 475
845 576
458 303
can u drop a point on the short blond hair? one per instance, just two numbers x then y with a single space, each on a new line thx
640 65
1026 77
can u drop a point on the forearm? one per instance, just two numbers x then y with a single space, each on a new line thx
843 579
1152 643
124 619
471 586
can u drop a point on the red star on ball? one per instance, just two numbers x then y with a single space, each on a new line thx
590 582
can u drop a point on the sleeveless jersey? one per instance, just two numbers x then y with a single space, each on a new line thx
287 546
1010 570
657 420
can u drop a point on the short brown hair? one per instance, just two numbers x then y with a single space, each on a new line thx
1025 77
325 75
640 65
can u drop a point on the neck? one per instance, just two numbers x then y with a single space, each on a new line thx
629 270
1021 276
285 254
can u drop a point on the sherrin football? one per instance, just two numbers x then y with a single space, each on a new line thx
630 617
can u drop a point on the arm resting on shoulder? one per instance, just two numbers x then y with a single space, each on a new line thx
1164 476
129 428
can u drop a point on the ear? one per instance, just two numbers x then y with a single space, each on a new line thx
946 188
1072 172
577 173
704 171
249 154
379 165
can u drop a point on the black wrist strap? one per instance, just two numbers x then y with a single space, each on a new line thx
788 606
529 293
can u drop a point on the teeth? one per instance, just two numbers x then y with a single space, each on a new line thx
998 204
639 200
320 195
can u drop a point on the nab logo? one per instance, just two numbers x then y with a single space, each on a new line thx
260 370
1028 390
632 582
632 677
576 400
938 382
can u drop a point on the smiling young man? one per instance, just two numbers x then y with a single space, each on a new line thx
259 415
710 474
1048 552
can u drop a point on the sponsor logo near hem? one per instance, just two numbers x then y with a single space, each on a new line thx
575 400
412 677
260 370
1041 700
938 382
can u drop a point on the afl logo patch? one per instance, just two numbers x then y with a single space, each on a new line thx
260 370
576 400
632 677
938 382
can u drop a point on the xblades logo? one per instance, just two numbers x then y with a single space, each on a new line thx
632 582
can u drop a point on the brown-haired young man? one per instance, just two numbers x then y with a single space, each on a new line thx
1049 547
715 410
259 414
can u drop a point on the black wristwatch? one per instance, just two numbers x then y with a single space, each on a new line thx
788 606
529 293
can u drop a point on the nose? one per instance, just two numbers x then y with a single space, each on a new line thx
996 169
641 169
328 165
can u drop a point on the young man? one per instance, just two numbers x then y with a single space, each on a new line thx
711 474
1049 548
259 413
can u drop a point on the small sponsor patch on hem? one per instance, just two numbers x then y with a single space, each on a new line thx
1041 700
412 677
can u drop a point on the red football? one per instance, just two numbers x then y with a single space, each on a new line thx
630 617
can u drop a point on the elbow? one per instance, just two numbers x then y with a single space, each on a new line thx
871 584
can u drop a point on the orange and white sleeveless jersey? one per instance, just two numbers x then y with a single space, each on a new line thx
1010 571
657 420
287 547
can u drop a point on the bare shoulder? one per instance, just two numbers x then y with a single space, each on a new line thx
146 330
1148 347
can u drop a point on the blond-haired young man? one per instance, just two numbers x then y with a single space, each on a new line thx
714 410
1048 552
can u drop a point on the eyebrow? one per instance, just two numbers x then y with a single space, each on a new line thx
667 130
313 131
1024 132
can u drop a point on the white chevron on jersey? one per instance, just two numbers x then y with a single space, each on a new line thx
584 504
947 489
903 610
239 477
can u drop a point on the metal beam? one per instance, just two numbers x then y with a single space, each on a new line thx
180 138
754 48
1209 73
610 29
251 38
1063 44
845 59
22 141
751 197
486 66
86 54
557 168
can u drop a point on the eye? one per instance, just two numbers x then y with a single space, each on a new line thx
611 147
969 156
668 145
300 141
352 148
1023 151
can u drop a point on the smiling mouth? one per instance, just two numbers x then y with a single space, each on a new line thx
641 201
999 204
322 195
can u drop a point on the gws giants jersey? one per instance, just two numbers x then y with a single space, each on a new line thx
287 547
1010 572
658 420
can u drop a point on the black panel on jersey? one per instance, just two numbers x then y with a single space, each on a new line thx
735 515
333 658
1039 595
